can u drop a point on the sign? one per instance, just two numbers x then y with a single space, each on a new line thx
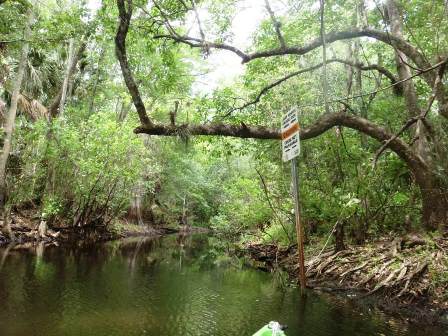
290 135
291 149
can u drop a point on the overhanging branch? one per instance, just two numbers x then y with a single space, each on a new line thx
396 42
321 125
331 37
397 88
199 43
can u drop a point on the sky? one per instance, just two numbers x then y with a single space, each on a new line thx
223 66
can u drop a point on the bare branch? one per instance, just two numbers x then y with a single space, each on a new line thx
120 50
331 37
196 13
360 66
276 24
199 43
396 42
166 20
408 124
381 89
382 70
31 41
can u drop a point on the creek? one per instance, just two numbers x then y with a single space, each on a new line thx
171 286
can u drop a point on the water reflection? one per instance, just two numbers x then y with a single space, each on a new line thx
179 285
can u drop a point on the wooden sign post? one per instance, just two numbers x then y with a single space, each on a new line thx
291 149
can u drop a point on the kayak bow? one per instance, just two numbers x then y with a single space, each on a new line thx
271 329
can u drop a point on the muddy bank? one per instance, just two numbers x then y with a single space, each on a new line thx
405 276
25 229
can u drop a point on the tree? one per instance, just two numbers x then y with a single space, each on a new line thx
430 178
11 117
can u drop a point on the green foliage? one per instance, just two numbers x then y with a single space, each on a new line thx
277 234
91 160
242 206
52 207
93 164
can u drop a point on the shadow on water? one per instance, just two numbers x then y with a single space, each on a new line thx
177 285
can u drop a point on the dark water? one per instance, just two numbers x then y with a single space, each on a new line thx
172 286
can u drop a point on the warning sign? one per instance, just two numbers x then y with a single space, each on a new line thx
290 135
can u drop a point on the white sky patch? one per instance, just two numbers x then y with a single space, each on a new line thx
224 66
93 6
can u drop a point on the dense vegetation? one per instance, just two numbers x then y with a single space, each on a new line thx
113 123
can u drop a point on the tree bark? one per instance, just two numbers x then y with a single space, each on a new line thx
339 244
120 51
97 79
55 105
361 22
66 77
434 202
135 209
409 92
434 198
322 124
11 116
433 216
184 219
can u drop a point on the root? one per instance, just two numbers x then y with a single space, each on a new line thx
397 270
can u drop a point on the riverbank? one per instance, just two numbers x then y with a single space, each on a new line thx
25 229
406 276
172 286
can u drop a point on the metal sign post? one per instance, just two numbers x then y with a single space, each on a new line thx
299 229
291 149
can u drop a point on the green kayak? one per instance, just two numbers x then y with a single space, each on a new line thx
271 329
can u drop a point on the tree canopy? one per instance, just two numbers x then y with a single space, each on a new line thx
106 83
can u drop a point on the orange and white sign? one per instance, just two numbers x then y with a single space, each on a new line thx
290 135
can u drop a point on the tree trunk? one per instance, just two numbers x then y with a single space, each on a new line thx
435 211
6 229
11 116
42 229
135 210
66 78
434 202
53 109
339 244
419 131
434 198
361 22
184 218
97 79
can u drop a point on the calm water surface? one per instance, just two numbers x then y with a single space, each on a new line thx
171 287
